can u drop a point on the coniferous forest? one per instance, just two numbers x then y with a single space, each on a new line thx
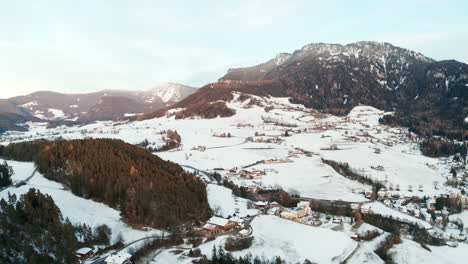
32 231
146 189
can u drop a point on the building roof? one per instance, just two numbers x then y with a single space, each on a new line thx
209 226
244 232
237 220
118 258
261 203
214 220
84 251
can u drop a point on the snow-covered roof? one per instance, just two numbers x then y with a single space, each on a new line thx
209 226
244 232
118 258
84 251
237 220
214 220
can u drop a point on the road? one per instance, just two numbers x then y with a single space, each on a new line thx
101 259
207 174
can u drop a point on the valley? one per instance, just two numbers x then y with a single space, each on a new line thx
271 148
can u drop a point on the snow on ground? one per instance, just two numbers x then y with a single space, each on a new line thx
365 252
462 216
409 252
312 179
357 137
381 209
294 242
77 209
225 204
21 170
403 165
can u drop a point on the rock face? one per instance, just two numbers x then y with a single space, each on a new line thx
428 96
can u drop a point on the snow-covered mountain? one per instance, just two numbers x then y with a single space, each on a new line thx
429 96
103 105
172 92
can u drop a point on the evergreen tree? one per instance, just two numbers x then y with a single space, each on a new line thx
5 174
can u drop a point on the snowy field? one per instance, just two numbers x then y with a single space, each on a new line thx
292 241
381 209
402 163
409 252
357 139
225 204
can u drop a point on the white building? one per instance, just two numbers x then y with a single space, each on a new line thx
119 258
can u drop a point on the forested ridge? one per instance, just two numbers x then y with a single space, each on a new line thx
146 189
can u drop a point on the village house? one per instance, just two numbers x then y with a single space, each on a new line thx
430 203
302 209
218 225
355 206
365 210
243 233
119 258
464 202
274 211
275 204
261 204
382 194
239 221
84 253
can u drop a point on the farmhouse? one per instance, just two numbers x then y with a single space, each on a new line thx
274 211
119 258
217 225
430 203
302 209
261 204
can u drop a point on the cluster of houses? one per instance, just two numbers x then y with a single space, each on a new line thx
303 214
427 211
263 139
114 258
247 174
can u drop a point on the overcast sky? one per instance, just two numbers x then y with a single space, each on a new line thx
90 45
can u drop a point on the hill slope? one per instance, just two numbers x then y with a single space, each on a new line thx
428 96
146 189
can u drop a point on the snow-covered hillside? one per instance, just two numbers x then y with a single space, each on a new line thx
270 144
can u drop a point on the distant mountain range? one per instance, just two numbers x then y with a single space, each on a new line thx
104 105
426 95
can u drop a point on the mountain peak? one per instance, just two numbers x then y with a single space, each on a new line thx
173 92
